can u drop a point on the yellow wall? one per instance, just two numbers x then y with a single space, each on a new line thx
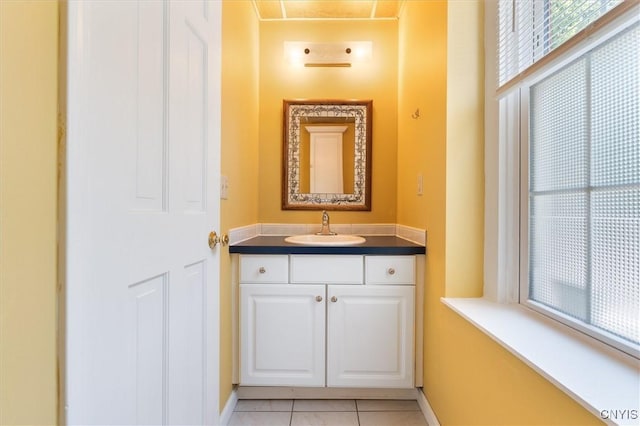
422 85
465 149
239 154
28 191
468 378
376 80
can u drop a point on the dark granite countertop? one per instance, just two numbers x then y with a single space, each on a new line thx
375 244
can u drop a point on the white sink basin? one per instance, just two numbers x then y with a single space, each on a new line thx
325 240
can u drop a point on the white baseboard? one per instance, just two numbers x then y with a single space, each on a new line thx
427 411
225 416
283 392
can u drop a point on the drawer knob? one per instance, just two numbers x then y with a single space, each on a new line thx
262 270
318 298
334 299
391 271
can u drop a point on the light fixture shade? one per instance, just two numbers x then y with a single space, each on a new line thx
327 54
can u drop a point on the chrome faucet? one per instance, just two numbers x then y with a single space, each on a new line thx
326 229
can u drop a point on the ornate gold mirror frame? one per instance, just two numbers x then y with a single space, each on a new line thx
303 117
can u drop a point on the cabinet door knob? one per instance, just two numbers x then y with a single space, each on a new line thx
262 270
391 271
318 298
334 299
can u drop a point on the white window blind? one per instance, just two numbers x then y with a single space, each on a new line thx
529 30
584 189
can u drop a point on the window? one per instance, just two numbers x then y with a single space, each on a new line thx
580 146
530 30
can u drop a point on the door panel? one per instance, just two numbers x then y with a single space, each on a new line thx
187 349
370 336
196 129
150 80
282 334
146 317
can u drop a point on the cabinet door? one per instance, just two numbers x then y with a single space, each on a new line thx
370 334
282 334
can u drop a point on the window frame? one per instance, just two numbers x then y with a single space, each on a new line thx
511 117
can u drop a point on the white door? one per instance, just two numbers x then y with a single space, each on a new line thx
282 332
370 336
326 159
142 171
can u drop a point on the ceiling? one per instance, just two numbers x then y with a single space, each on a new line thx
327 9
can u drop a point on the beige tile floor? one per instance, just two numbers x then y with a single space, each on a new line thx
330 412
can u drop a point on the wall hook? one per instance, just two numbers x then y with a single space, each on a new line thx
416 114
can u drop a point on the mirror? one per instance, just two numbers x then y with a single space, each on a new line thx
327 155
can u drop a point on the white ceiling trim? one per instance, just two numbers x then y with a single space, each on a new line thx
372 15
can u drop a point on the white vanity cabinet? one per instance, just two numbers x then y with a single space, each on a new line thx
330 320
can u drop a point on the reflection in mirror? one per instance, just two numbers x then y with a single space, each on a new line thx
327 152
327 155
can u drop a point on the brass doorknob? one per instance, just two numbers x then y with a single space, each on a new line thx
213 239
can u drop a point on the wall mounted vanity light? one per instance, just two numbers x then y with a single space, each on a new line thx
337 54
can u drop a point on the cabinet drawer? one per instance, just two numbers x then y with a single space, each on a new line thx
390 270
326 269
264 269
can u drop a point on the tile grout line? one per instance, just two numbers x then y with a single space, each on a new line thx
355 401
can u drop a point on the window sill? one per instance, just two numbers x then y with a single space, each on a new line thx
563 356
